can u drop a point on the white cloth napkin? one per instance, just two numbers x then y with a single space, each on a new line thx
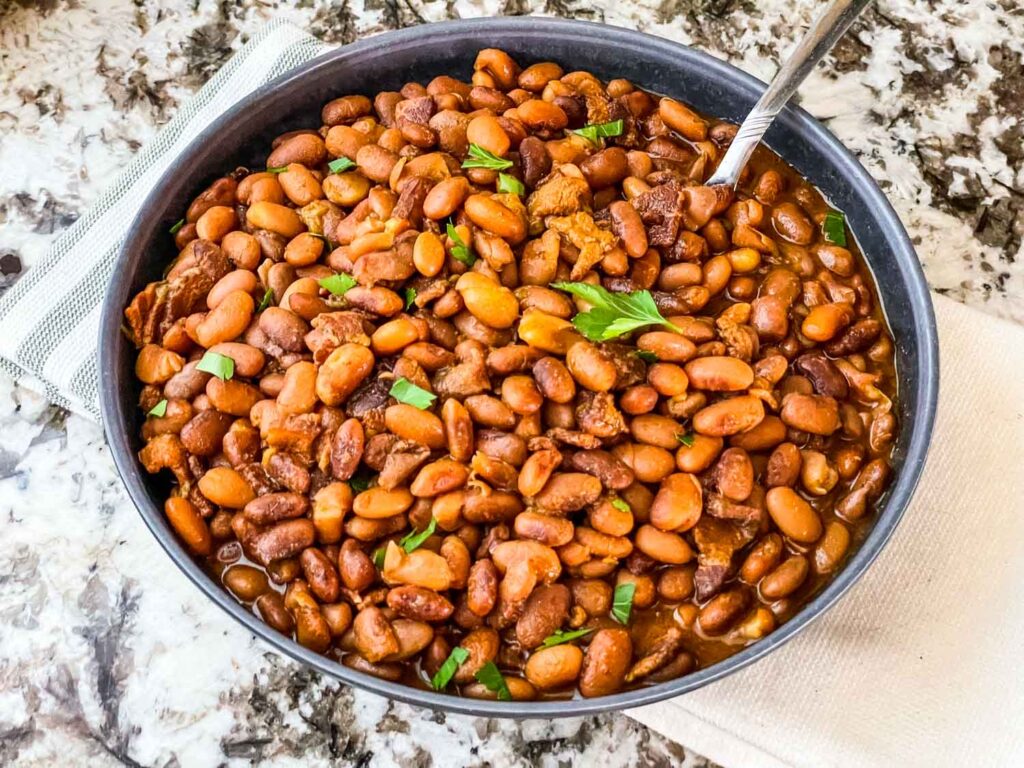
920 664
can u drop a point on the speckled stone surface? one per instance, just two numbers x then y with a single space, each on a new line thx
108 656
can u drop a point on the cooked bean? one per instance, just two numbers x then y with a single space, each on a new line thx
553 668
831 548
285 539
678 503
568 492
491 303
411 423
441 476
458 430
719 374
379 503
817 414
663 546
824 322
591 366
657 430
722 611
343 371
785 579
189 524
649 463
605 662
729 417
794 516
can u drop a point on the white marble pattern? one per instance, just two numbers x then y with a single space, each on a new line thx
108 656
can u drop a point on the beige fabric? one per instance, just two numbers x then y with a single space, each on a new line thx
922 662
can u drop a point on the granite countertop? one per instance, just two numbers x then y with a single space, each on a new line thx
109 656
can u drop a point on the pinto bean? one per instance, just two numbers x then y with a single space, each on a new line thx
343 370
419 604
605 662
825 321
568 492
785 579
831 549
591 367
375 638
285 539
793 516
545 611
441 476
189 524
817 414
246 582
663 546
553 668
734 474
320 574
203 434
729 417
719 374
482 645
678 503
411 423
648 463
722 611
547 529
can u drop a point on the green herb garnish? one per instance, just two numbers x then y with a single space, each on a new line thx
158 410
410 296
444 675
177 226
360 481
378 557
646 355
278 169
221 366
460 251
414 541
622 602
621 505
559 637
686 439
338 284
833 227
340 165
404 391
596 131
265 301
481 158
510 185
491 677
613 314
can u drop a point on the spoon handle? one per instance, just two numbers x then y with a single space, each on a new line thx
823 34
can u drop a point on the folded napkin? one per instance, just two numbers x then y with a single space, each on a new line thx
920 664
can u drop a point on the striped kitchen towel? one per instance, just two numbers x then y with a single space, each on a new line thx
49 320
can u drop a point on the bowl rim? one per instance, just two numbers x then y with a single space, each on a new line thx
582 32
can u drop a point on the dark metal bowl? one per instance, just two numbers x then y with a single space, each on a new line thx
241 135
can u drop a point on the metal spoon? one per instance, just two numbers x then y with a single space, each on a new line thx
823 34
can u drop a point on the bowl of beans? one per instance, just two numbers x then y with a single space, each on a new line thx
437 366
